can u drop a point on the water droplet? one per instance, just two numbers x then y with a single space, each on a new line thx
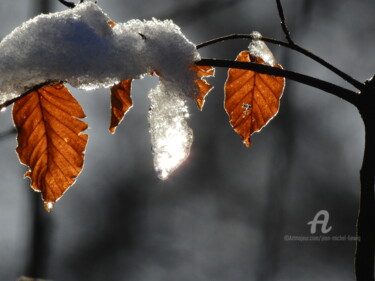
48 206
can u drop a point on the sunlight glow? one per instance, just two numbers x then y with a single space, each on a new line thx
171 137
171 151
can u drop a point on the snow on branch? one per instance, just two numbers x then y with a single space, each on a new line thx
83 47
80 47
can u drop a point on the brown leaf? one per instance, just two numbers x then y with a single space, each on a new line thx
50 140
204 88
121 102
251 99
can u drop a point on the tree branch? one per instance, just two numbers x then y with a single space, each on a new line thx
292 46
328 87
283 22
364 256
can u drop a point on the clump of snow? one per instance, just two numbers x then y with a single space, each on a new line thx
171 137
259 49
79 47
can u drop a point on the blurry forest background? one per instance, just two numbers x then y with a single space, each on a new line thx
224 213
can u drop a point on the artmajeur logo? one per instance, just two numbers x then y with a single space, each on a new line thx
321 218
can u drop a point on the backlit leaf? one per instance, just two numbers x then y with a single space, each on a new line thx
203 86
120 99
50 140
251 99
121 102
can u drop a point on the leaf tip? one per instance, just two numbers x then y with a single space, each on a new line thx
200 103
247 142
48 206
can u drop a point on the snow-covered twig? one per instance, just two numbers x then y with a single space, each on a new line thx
294 47
345 94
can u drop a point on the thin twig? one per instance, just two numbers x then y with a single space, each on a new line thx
294 47
35 88
283 22
345 94
69 4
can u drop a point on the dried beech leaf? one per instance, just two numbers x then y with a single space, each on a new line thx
121 102
50 140
203 86
251 99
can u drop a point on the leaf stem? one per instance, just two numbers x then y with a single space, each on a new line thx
345 94
291 46
35 88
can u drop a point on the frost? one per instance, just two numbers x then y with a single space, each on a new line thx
171 137
79 46
259 49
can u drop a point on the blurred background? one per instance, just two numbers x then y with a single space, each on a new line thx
224 213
